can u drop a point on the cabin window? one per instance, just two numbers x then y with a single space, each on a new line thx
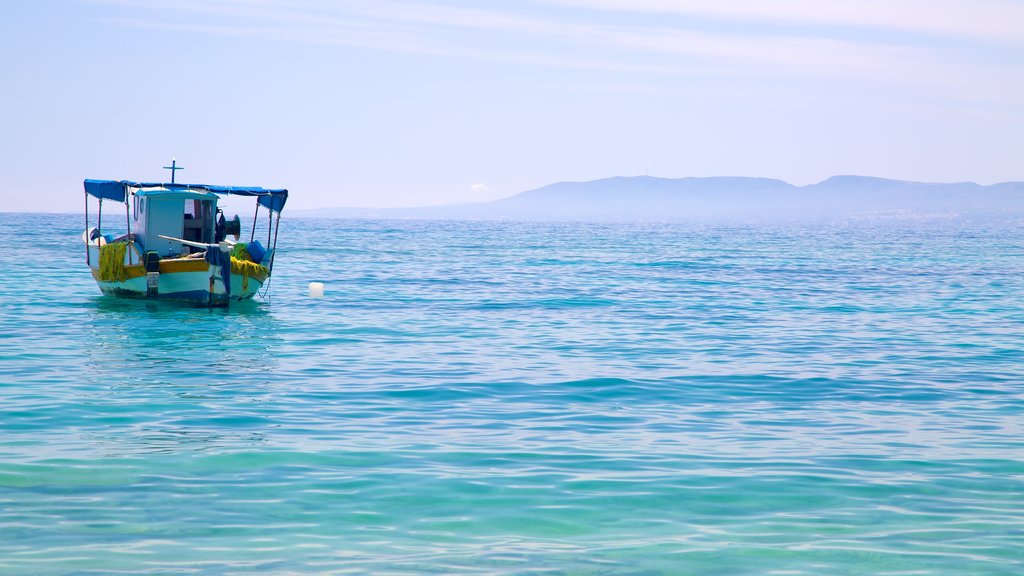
198 221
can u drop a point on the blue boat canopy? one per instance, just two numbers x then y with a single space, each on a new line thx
271 199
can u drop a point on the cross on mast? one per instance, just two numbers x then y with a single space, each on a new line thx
173 168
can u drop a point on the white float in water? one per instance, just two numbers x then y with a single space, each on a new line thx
316 289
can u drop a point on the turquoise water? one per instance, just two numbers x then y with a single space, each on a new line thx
486 398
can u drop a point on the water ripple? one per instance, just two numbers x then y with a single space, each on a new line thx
524 398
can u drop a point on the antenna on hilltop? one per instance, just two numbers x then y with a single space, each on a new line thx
173 168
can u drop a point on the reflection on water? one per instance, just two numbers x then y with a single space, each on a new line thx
157 369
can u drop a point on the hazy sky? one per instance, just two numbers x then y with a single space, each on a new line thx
399 103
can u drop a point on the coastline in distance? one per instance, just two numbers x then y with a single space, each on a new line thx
738 199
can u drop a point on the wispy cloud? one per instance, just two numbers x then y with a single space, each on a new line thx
581 38
994 20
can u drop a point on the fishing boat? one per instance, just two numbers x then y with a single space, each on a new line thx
178 244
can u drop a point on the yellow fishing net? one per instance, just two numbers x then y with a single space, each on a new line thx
248 269
239 251
112 262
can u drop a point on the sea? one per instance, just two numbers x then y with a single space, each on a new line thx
525 398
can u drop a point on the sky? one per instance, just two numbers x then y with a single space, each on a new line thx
384 103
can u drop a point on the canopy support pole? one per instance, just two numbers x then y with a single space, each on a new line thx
128 224
273 246
255 215
87 262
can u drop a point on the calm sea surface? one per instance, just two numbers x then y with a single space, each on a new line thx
491 398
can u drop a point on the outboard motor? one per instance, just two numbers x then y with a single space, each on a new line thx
151 262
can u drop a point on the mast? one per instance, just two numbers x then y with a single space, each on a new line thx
173 168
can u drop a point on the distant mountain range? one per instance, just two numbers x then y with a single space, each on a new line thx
644 198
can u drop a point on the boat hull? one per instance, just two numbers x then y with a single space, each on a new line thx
186 280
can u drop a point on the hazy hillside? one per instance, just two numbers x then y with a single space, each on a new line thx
643 198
